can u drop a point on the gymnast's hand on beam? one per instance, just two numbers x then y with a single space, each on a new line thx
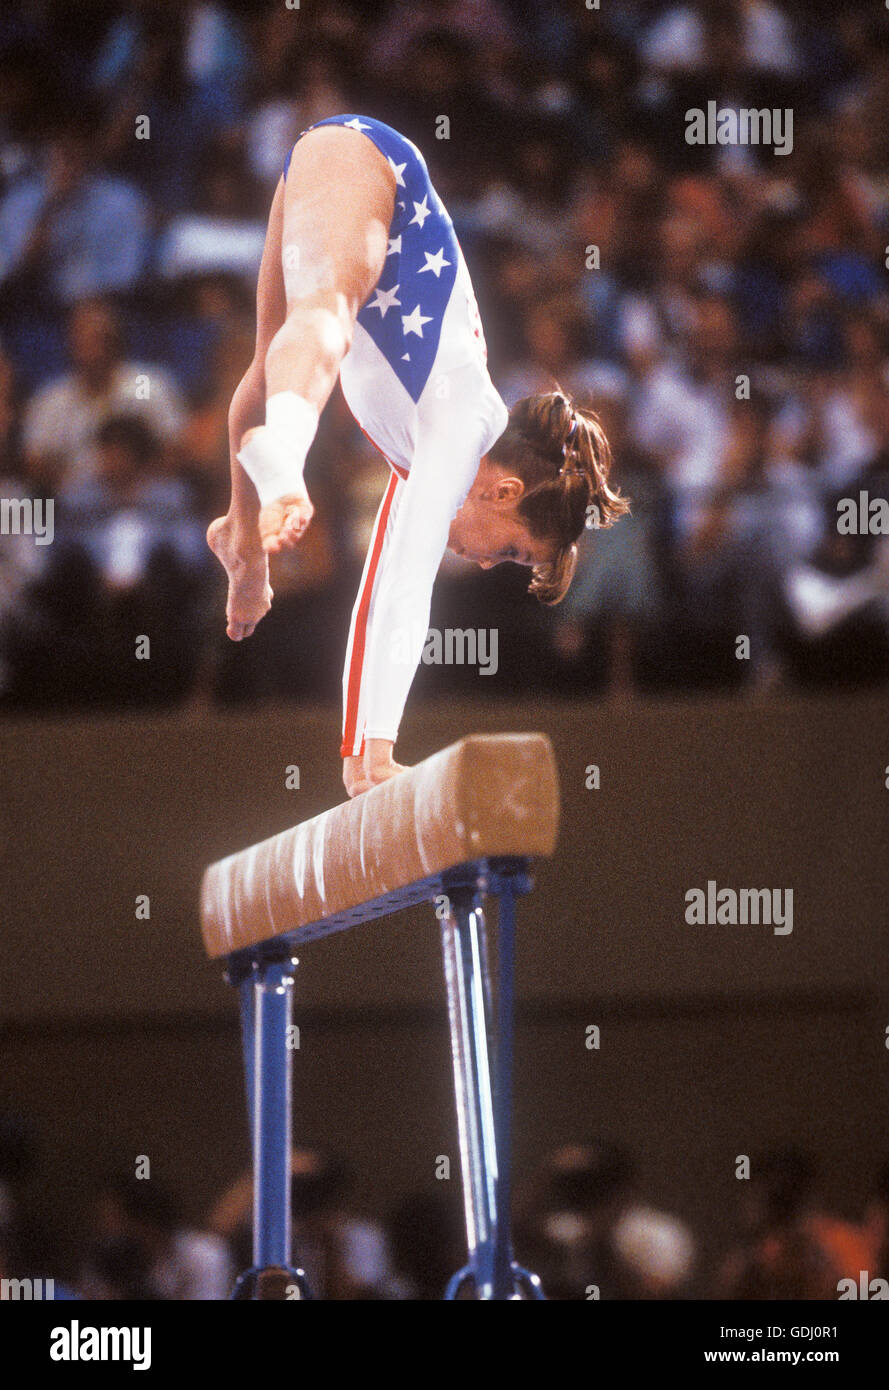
377 765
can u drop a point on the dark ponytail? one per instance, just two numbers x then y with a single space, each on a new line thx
560 452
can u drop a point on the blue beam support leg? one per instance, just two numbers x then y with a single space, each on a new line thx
266 992
484 1111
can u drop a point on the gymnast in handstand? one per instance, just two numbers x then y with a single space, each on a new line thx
362 277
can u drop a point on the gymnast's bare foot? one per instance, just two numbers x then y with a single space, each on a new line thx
247 566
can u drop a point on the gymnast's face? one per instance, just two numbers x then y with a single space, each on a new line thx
488 529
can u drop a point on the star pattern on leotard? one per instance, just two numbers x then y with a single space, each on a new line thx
434 263
421 212
385 299
420 265
413 322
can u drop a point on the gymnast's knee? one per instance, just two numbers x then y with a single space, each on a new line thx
321 330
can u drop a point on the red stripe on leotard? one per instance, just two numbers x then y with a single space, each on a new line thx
360 636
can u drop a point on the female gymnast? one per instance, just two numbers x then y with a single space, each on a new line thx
362 277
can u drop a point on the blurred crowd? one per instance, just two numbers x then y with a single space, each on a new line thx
724 308
583 1222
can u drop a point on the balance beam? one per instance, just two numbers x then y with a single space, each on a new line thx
462 824
487 795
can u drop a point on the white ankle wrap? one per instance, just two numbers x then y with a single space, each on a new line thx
275 455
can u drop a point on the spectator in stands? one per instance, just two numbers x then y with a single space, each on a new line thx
731 563
554 345
207 51
225 235
677 39
68 230
61 419
789 1248
156 124
141 1248
128 557
130 510
585 1233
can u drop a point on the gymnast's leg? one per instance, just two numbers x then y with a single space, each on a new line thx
325 250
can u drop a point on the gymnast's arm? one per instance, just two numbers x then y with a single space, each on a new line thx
443 470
